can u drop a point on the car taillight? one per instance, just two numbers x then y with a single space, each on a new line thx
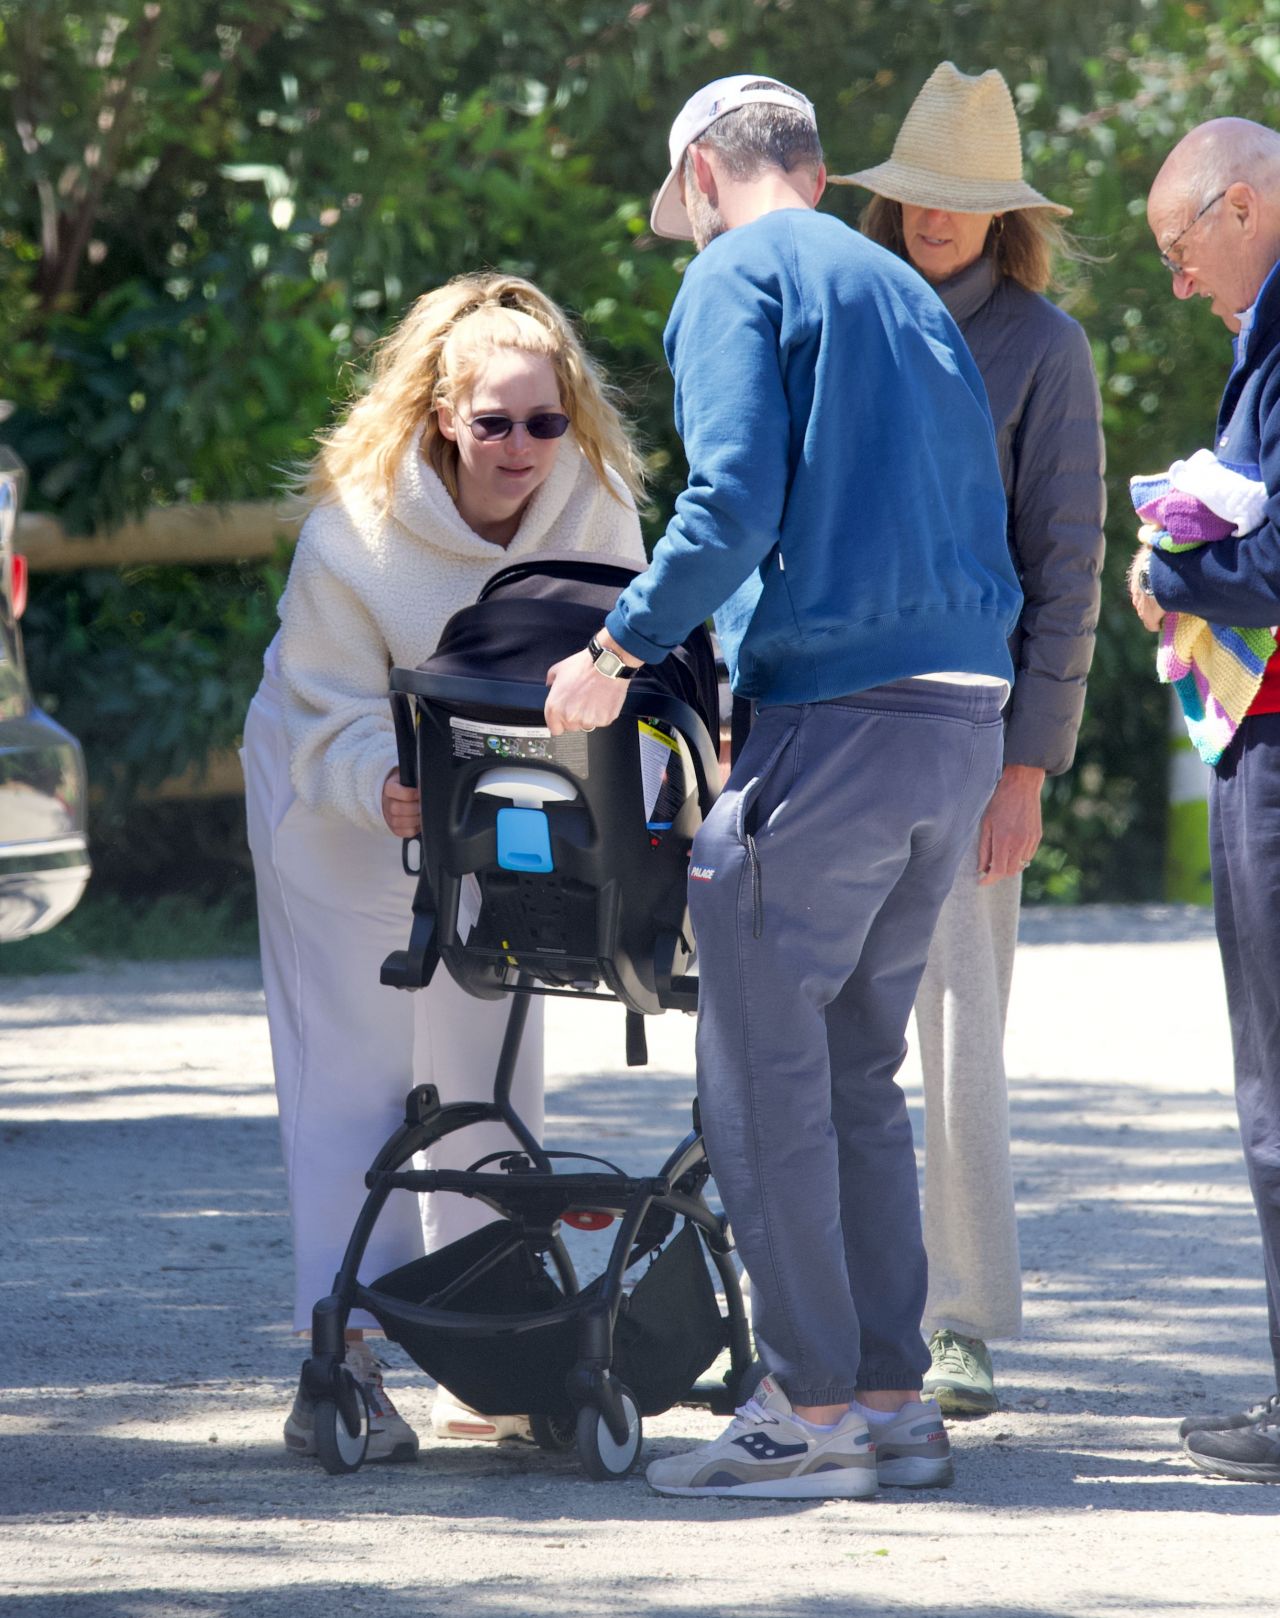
18 585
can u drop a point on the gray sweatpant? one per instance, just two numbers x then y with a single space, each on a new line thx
814 887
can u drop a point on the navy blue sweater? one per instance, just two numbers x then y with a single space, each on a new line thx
844 518
1236 582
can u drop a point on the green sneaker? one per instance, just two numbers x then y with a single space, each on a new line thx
960 1379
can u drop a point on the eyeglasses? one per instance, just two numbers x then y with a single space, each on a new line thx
1172 265
547 424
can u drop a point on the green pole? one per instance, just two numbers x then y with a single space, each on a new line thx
1186 860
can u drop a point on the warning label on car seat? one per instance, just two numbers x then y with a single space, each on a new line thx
529 744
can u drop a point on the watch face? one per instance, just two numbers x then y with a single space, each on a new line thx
608 663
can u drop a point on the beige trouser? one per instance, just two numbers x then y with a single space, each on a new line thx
333 902
970 1228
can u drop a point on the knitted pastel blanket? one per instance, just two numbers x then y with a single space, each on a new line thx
1216 672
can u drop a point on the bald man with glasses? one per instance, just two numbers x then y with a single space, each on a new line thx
1215 213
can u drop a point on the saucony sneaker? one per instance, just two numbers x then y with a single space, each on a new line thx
390 1436
1266 1410
768 1453
960 1378
913 1450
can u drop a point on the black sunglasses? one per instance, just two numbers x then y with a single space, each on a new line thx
547 424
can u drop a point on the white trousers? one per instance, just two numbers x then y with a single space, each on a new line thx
970 1227
333 902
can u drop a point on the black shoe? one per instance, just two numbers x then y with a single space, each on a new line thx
1255 1416
1247 1454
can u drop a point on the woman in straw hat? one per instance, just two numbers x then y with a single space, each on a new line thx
952 201
485 433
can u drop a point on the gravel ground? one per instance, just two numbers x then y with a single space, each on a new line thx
149 1362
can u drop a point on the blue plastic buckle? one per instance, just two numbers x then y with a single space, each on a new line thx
524 840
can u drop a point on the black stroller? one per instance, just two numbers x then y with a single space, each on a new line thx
578 846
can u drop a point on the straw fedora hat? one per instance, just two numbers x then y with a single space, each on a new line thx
958 149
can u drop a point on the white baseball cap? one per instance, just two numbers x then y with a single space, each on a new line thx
699 112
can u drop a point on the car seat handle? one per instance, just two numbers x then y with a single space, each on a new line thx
402 717
406 738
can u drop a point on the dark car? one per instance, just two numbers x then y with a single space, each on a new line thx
44 857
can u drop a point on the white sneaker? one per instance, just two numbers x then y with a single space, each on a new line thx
390 1436
913 1450
450 1418
767 1453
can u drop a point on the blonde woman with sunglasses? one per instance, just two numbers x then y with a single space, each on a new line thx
485 434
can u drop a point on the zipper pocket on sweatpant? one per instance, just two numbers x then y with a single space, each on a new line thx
742 824
757 889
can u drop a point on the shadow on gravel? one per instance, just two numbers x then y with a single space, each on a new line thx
512 1599
1108 1482
520 1491
145 1317
1114 924
142 991
516 1485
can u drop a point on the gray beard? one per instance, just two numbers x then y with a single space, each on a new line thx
706 221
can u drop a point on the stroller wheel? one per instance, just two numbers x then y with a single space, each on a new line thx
554 1433
603 1458
338 1447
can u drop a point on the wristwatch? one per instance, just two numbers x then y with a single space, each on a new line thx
609 663
1143 577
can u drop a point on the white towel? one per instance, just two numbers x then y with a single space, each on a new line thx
1227 493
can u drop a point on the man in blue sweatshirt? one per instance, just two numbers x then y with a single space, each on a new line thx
844 521
1215 213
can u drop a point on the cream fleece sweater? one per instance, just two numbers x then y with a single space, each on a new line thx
368 591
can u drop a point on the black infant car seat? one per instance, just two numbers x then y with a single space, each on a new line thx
579 843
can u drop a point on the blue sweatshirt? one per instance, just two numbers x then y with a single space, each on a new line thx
844 518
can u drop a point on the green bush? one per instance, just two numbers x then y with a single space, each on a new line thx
152 667
273 180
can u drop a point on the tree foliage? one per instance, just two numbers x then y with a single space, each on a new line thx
210 208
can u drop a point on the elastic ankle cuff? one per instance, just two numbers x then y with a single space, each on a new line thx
890 1379
819 1396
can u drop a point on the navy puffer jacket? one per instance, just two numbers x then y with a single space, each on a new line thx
1237 581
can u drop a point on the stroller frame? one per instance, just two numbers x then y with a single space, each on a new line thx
596 1410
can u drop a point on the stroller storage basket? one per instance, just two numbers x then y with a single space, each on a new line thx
668 1331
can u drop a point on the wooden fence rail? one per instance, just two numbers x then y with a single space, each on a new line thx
184 535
